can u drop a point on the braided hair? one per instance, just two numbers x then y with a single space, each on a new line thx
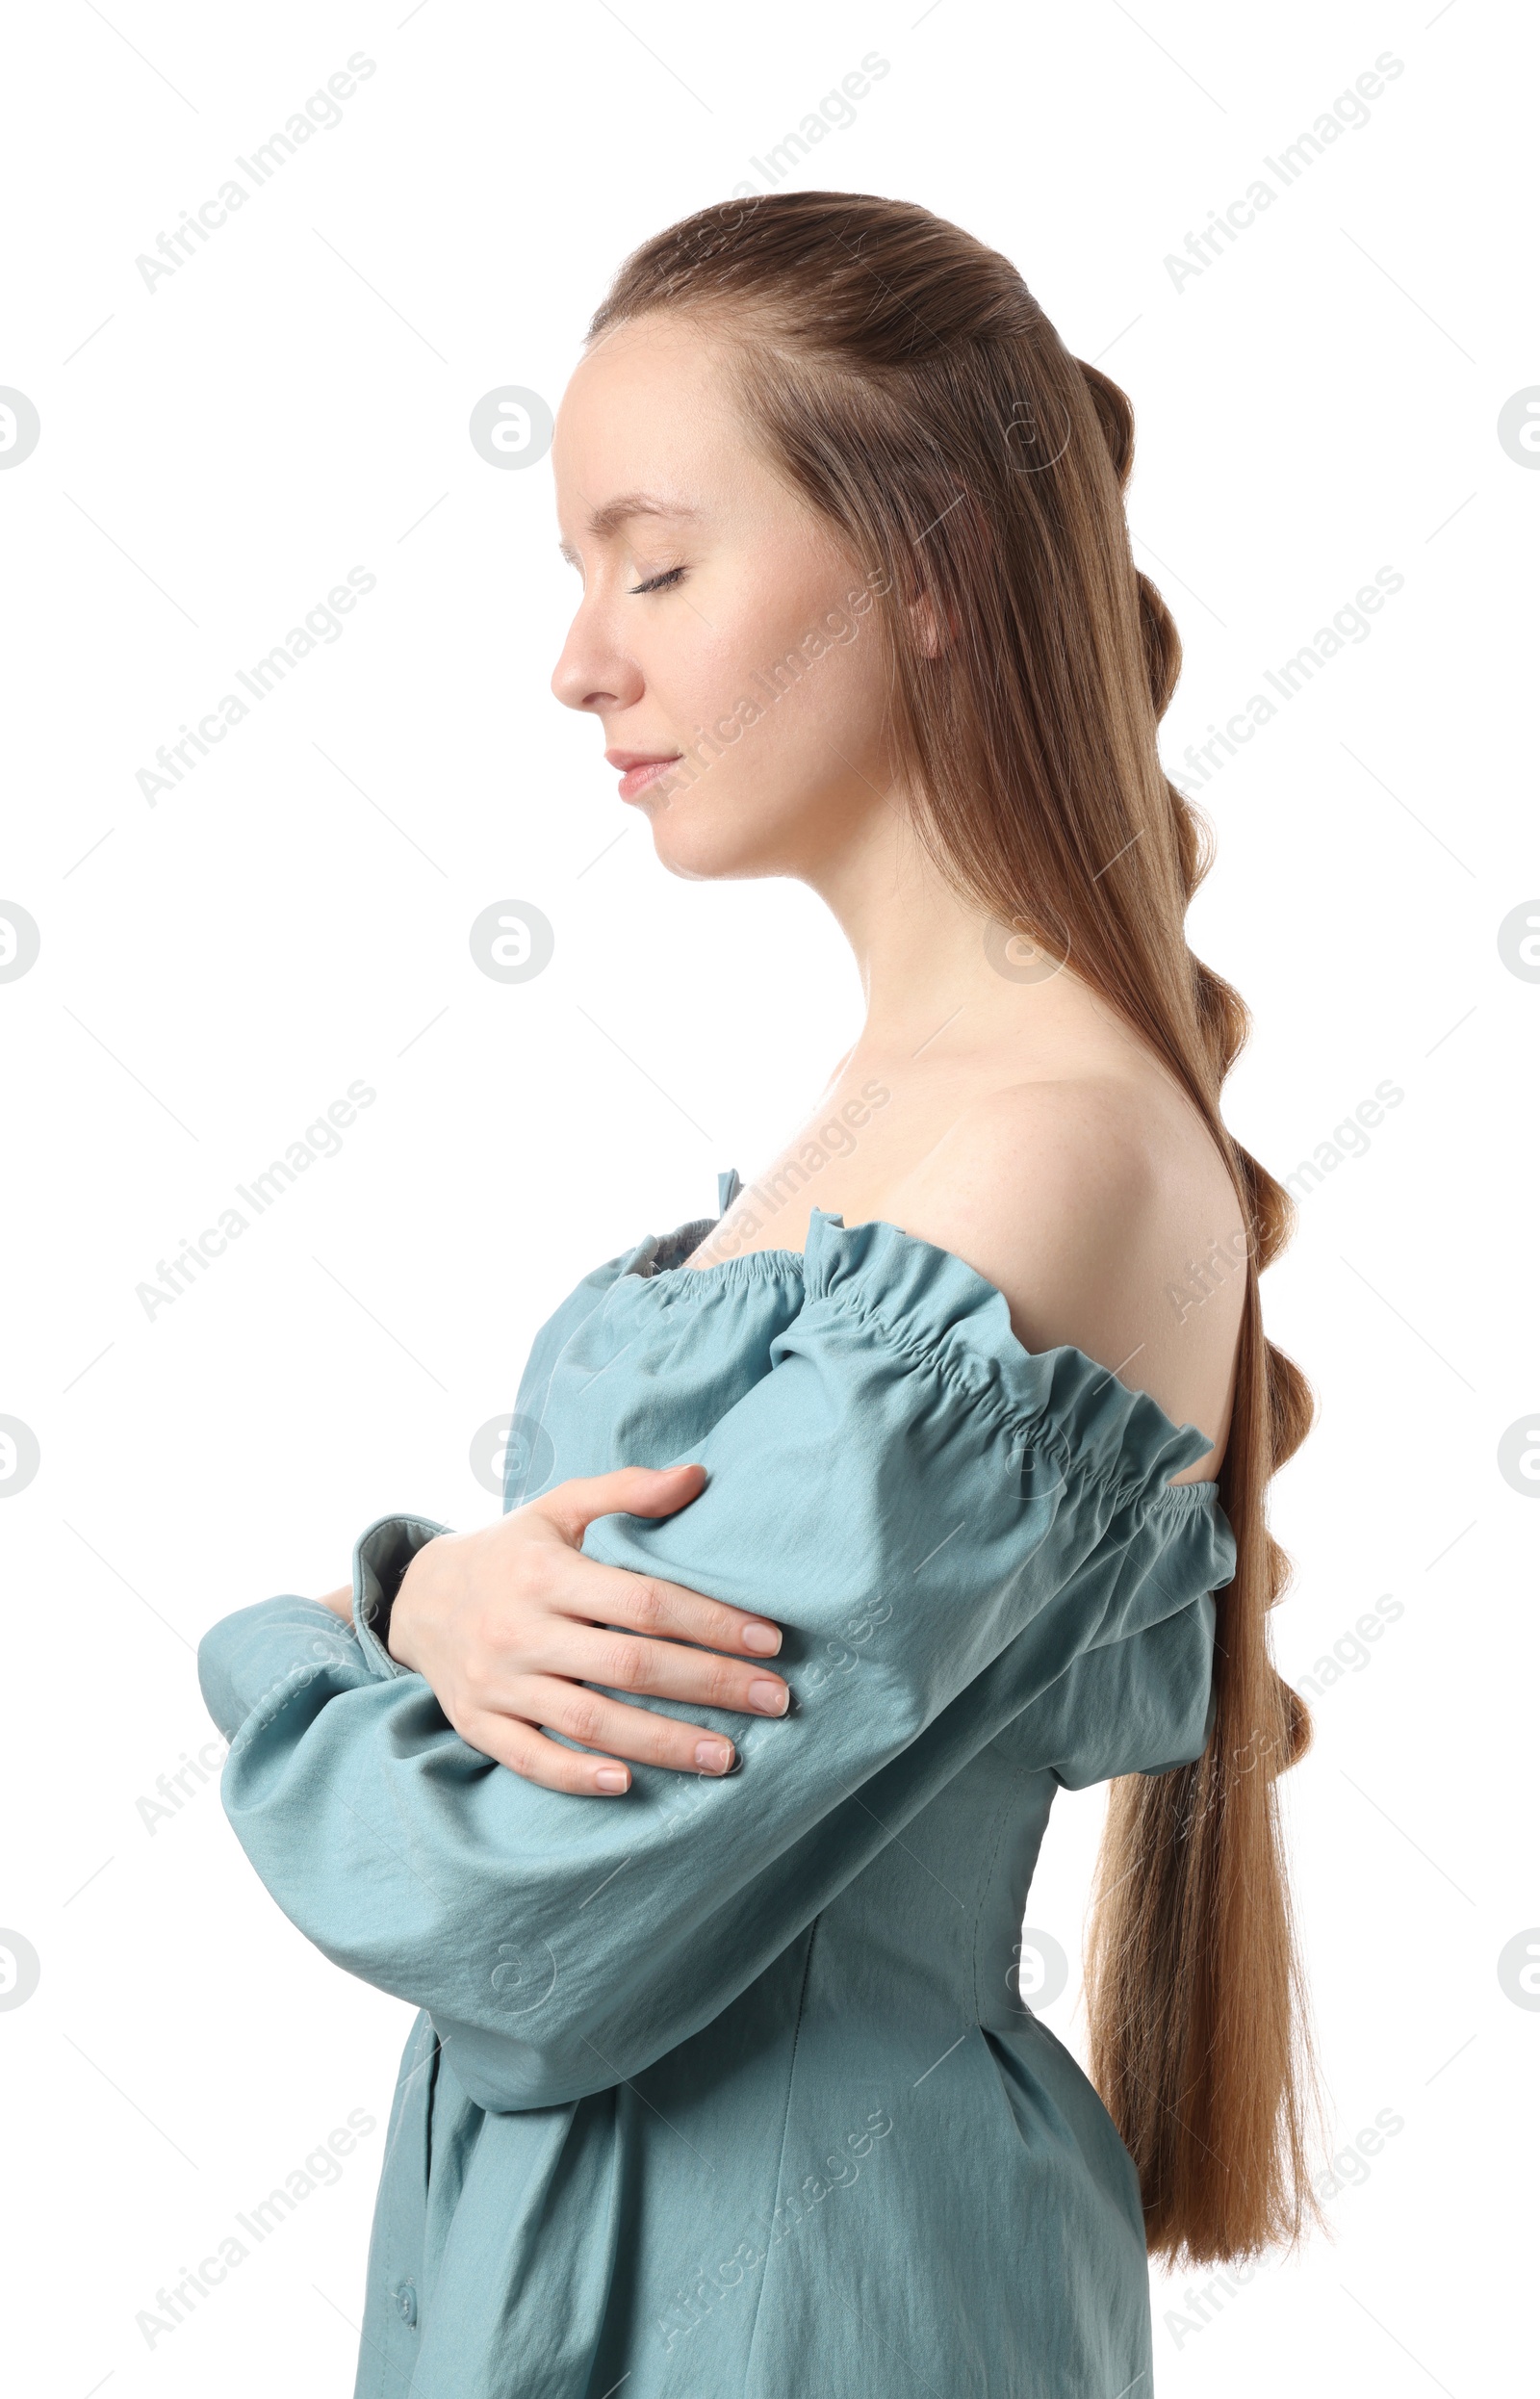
904 379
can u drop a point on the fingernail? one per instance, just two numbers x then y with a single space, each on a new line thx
712 1757
763 1637
768 1698
611 1778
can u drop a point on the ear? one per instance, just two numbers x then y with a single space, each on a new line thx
933 633
937 629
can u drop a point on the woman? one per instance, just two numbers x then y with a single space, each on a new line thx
726 2079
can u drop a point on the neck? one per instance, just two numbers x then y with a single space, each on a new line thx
941 980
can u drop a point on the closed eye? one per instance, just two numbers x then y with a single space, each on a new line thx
658 583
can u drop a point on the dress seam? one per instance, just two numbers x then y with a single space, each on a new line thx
1002 1819
781 2153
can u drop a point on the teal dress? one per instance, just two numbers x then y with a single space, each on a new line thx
730 2088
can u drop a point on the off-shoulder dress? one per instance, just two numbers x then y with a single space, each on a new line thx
731 2088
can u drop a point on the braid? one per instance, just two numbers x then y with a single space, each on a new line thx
900 349
1225 1022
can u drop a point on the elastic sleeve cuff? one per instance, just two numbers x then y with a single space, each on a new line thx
381 1556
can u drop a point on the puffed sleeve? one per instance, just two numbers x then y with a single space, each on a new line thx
942 1523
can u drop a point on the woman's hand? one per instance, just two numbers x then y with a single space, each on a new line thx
508 1626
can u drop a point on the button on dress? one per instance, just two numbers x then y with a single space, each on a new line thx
731 2088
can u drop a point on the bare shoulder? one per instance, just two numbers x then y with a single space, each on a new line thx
1048 1182
1087 1202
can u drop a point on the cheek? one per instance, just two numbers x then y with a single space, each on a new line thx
801 774
793 702
826 714
775 693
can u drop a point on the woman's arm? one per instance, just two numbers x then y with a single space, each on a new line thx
511 1626
513 1630
562 1949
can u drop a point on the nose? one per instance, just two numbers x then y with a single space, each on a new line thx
593 672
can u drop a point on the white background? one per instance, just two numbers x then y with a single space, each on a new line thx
216 454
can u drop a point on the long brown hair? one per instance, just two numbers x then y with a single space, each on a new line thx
907 385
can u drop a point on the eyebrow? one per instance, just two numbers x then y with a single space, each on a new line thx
605 521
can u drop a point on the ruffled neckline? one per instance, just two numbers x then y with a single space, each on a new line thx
929 1302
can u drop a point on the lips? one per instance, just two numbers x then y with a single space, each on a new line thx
639 768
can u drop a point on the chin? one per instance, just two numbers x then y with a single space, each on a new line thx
710 861
702 844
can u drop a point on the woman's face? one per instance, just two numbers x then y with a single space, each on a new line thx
722 626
